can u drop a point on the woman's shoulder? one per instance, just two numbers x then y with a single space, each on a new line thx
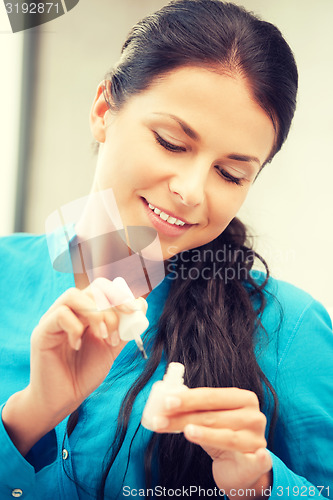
20 253
35 249
282 295
292 317
27 274
18 243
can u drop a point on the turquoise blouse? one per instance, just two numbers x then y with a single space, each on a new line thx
298 360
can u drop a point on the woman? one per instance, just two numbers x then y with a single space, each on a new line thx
201 99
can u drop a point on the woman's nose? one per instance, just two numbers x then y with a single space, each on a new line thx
188 185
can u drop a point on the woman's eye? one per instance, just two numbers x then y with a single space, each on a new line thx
167 145
179 149
228 177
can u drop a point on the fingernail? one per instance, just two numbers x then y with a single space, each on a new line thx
78 344
129 306
160 422
171 402
103 330
192 431
114 339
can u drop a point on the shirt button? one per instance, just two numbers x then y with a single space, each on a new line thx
17 493
64 454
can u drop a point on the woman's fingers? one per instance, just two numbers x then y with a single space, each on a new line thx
111 322
228 424
243 441
81 304
229 419
110 327
93 309
113 294
263 459
60 321
142 304
110 294
73 313
211 398
95 292
75 299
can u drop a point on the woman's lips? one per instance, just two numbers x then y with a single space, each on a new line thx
162 226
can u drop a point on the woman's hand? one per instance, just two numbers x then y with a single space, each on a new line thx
228 425
74 346
72 351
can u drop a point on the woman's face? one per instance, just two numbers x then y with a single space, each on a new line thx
182 155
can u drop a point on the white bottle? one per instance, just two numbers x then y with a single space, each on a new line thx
131 325
172 384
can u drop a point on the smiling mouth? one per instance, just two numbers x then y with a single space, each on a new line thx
170 219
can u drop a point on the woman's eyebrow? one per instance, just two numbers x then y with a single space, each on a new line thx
186 128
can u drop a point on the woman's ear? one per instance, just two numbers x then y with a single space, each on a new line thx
98 112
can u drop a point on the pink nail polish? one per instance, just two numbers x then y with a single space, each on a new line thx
192 431
160 422
103 330
78 344
114 339
172 402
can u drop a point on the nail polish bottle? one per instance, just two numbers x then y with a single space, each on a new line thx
131 325
171 385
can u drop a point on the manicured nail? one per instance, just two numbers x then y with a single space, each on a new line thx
78 344
129 306
192 431
103 330
160 422
114 339
172 402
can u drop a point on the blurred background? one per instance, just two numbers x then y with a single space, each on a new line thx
49 77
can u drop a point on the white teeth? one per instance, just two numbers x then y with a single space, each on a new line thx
166 217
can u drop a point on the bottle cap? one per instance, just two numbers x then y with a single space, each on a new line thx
174 374
132 325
